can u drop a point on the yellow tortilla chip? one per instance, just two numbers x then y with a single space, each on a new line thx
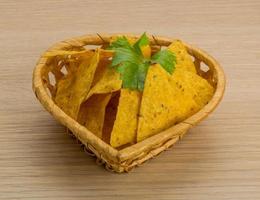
92 113
125 125
104 61
146 51
183 59
63 53
110 116
102 65
164 103
200 88
109 82
73 88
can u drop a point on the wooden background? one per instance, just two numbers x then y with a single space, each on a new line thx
219 159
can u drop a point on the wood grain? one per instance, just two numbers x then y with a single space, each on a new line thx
219 159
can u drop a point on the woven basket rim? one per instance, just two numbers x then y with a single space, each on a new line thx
86 136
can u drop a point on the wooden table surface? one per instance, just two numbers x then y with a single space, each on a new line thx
219 159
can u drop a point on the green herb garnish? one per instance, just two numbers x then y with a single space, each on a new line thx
133 66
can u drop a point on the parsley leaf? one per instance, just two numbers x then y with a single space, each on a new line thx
128 72
131 64
120 42
166 59
125 55
142 41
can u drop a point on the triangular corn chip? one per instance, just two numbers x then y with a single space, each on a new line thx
63 53
104 61
109 82
165 102
101 68
73 89
125 125
183 59
199 87
110 116
92 113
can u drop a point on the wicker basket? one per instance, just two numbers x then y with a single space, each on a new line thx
125 159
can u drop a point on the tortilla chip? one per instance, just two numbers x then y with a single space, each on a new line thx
92 113
73 88
199 87
63 53
109 82
183 59
146 51
102 65
164 103
125 125
104 61
110 116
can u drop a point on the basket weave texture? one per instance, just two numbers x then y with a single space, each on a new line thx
48 72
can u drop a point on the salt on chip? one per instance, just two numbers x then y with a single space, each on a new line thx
92 113
125 125
73 89
164 103
183 59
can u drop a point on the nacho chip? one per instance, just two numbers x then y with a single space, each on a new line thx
73 88
146 51
102 65
110 116
164 103
183 59
125 125
109 82
104 61
63 53
200 88
92 113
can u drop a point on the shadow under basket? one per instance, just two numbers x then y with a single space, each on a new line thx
47 74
